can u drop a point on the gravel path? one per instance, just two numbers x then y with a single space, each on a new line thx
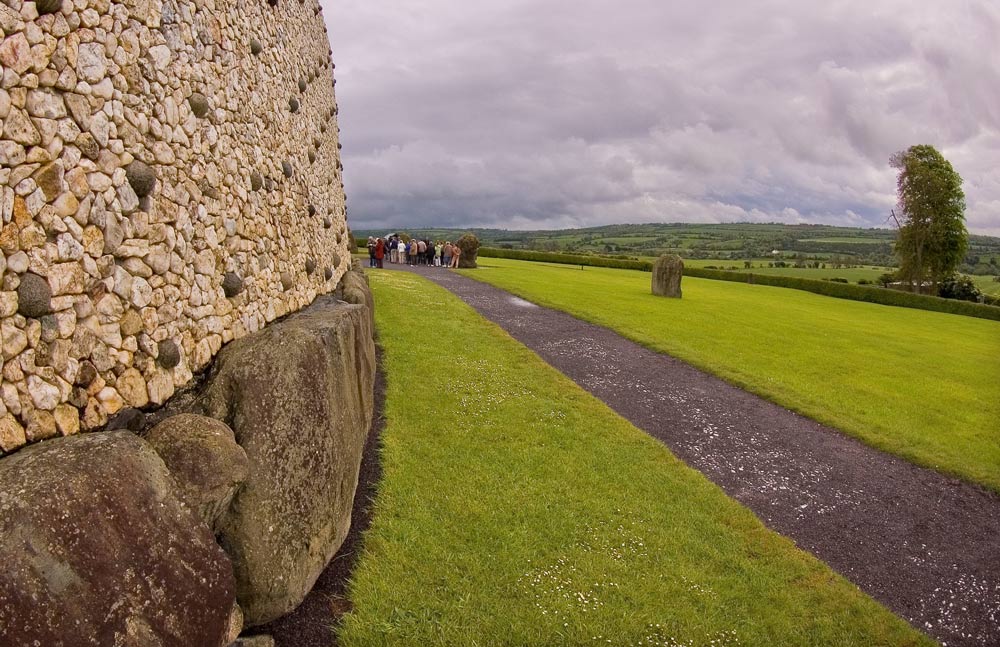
925 545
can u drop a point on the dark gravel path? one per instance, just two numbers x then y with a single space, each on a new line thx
925 545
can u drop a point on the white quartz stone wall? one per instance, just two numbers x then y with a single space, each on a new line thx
170 180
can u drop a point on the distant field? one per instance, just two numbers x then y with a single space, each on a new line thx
988 284
849 241
923 385
517 510
759 266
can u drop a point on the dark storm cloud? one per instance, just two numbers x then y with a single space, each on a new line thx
553 113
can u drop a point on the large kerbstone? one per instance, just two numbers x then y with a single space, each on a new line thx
298 395
97 550
205 461
357 291
667 272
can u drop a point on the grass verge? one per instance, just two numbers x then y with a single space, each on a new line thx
516 509
921 385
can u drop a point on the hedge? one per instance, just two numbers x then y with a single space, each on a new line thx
865 293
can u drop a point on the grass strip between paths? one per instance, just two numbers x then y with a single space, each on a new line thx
922 385
516 509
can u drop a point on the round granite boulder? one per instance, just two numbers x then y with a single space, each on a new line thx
48 6
34 296
141 177
169 354
232 284
199 104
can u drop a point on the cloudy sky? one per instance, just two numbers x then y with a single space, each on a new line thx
532 114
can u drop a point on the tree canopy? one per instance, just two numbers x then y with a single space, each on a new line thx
932 238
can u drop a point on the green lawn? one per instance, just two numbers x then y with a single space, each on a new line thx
922 385
517 510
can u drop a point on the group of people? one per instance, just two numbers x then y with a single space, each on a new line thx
412 252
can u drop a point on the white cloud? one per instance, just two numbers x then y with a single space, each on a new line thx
556 113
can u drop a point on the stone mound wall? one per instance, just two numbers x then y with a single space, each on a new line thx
170 180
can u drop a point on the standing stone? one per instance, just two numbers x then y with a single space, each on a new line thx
667 272
469 245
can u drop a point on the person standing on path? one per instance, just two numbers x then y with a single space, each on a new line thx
379 252
456 253
371 252
446 254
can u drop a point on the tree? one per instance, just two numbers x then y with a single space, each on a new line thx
932 238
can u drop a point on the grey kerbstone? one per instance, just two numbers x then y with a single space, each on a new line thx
355 289
207 464
304 447
667 273
111 555
141 177
34 296
168 354
199 104
232 284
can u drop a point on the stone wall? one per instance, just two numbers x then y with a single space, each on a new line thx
170 180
